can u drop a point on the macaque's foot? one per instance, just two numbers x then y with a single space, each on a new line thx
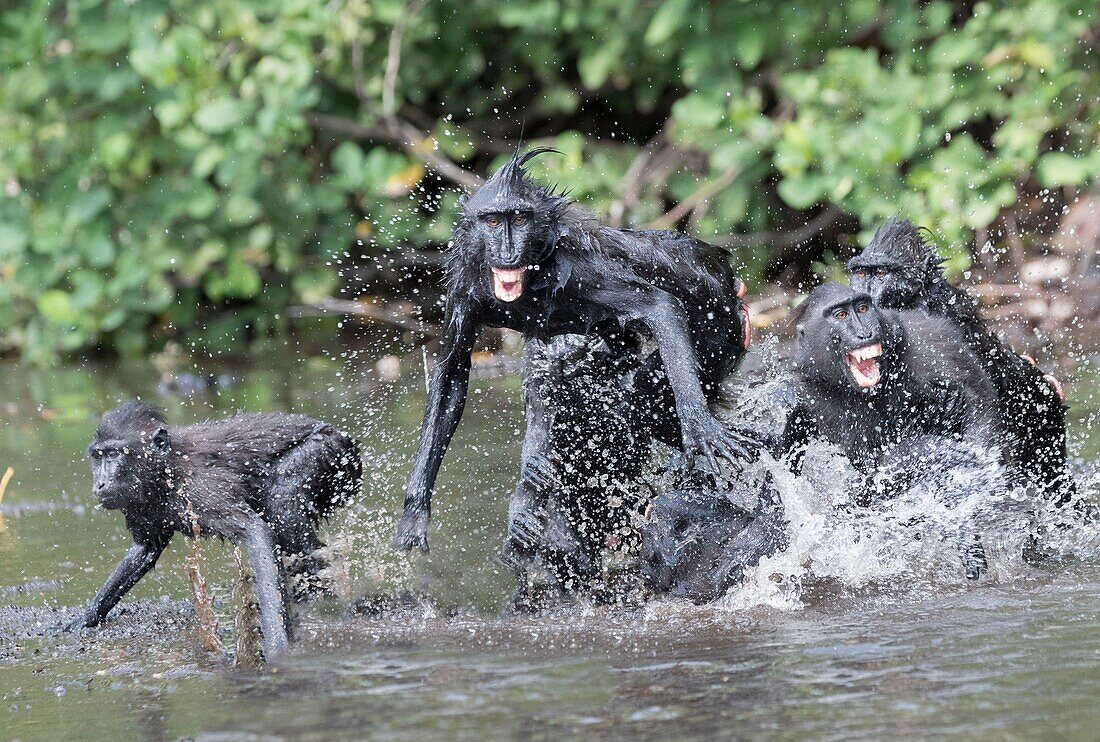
306 580
82 621
974 557
708 440
525 534
412 532
542 473
276 648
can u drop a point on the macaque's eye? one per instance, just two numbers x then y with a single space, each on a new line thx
519 219
862 308
841 314
492 221
880 273
861 273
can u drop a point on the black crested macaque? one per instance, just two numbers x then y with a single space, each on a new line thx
528 259
867 378
901 271
584 457
263 481
872 381
698 542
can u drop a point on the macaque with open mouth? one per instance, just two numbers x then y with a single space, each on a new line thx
527 258
863 363
872 381
901 271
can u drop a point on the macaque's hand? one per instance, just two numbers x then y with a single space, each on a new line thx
85 620
542 474
412 532
706 439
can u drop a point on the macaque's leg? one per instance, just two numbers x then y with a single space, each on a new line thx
269 587
973 554
288 496
139 559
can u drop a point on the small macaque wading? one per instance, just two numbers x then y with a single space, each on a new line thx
528 259
263 481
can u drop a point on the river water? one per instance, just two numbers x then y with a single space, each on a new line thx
849 647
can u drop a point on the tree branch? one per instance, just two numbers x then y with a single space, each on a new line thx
393 58
812 228
687 205
403 134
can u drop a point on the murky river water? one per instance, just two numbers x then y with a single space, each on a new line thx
1013 657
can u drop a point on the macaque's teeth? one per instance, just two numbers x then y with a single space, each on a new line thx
508 284
866 352
863 365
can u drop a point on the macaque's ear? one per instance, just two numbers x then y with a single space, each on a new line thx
161 443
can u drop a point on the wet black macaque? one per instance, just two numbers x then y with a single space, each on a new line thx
528 259
901 271
581 485
698 542
872 381
263 481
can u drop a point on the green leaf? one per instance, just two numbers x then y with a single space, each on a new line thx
1058 169
802 192
56 306
87 205
239 281
666 21
13 239
220 115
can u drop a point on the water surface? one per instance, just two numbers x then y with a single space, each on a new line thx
1016 655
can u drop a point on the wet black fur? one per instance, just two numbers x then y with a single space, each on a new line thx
1029 409
584 457
698 542
261 480
588 279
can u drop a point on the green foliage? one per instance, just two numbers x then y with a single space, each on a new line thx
165 159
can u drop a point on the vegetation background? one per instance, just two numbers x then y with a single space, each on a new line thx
164 161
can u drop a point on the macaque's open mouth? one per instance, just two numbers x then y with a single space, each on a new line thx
863 363
508 284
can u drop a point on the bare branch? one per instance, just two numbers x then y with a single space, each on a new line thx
393 58
687 205
367 311
403 134
812 228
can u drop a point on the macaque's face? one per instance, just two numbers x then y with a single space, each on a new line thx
124 471
513 244
841 340
889 284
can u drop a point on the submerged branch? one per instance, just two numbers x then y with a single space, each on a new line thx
246 625
200 594
368 311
